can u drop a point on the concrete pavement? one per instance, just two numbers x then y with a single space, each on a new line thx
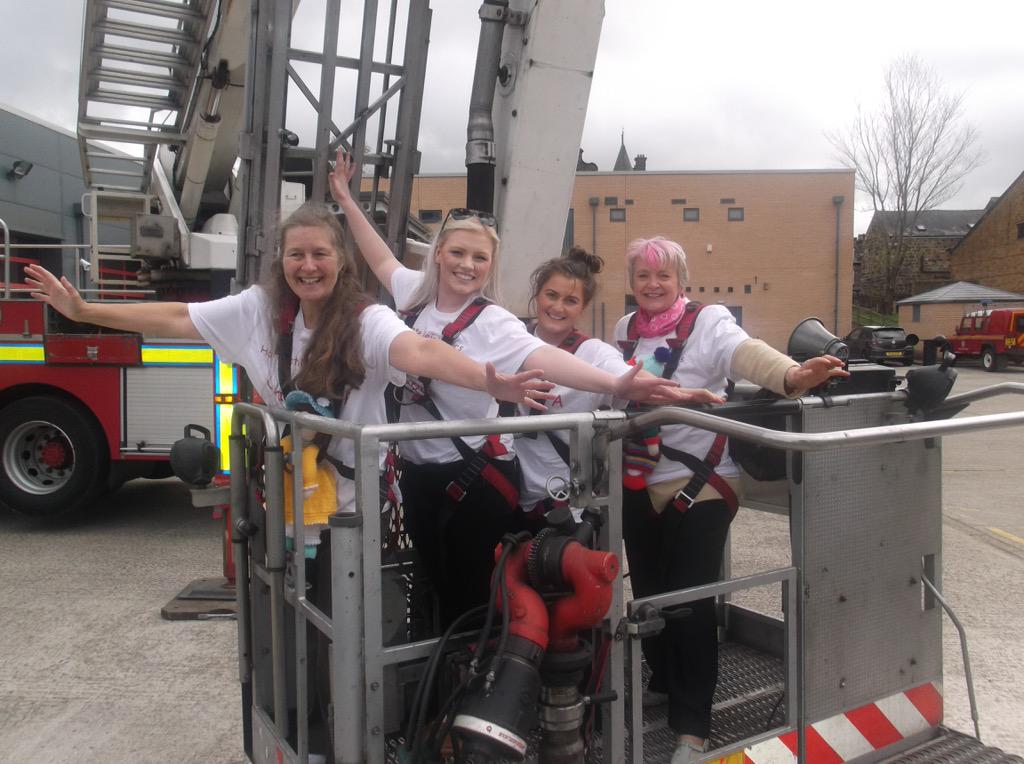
89 672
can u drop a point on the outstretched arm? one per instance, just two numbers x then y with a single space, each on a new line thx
373 248
813 372
435 359
566 369
160 319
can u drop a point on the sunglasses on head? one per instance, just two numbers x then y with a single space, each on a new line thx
464 213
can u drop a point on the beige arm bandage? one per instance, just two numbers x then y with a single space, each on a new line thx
760 363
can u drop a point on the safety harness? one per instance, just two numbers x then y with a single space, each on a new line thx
703 469
286 326
570 344
478 463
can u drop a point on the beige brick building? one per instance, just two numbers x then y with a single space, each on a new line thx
993 252
765 244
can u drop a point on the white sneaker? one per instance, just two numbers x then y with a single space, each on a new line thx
688 753
653 699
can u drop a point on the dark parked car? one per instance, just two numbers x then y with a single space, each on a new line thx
882 344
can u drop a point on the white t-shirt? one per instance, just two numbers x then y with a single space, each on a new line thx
496 336
238 328
706 362
538 459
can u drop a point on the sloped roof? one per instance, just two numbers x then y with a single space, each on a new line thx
992 204
962 291
933 222
622 162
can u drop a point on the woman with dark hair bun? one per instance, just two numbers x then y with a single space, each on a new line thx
562 289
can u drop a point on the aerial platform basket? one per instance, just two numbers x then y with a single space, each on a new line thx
857 651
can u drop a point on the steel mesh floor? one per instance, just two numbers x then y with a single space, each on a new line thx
955 748
748 700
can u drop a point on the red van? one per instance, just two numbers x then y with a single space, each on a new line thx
995 335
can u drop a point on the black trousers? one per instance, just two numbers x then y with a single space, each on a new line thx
674 550
456 539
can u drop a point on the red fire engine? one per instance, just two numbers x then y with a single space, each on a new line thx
995 335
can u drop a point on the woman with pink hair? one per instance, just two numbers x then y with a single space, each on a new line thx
680 486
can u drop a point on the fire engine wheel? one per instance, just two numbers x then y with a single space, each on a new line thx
53 457
990 360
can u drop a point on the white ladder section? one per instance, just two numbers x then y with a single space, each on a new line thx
141 63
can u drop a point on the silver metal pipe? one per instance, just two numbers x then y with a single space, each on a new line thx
324 123
968 677
480 130
704 591
981 393
240 511
798 441
274 494
347 649
7 259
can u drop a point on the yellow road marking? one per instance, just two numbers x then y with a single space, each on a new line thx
1007 535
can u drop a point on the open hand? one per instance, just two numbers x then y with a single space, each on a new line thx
526 387
639 385
684 395
341 176
58 294
813 372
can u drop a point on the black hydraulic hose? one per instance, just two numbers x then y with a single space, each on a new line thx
505 610
492 672
418 709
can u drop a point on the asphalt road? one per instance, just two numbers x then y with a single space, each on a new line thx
90 672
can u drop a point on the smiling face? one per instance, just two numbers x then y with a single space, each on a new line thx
464 261
655 287
559 304
311 265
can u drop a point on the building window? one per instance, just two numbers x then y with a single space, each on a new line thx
1020 230
430 216
629 202
617 215
630 303
729 290
717 290
689 289
611 201
678 201
691 215
746 289
701 290
915 313
730 200
735 214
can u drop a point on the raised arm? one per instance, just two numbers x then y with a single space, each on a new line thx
373 248
157 319
434 359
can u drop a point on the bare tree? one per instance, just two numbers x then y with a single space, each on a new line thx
910 155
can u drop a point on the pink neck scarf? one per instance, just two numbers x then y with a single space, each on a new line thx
648 326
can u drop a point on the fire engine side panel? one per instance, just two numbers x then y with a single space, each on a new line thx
160 401
97 388
864 519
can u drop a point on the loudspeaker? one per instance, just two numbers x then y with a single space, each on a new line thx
811 339
195 460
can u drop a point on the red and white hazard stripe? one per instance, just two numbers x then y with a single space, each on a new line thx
855 733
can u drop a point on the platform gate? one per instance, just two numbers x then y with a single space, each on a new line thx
857 651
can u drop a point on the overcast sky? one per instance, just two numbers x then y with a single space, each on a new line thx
695 86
